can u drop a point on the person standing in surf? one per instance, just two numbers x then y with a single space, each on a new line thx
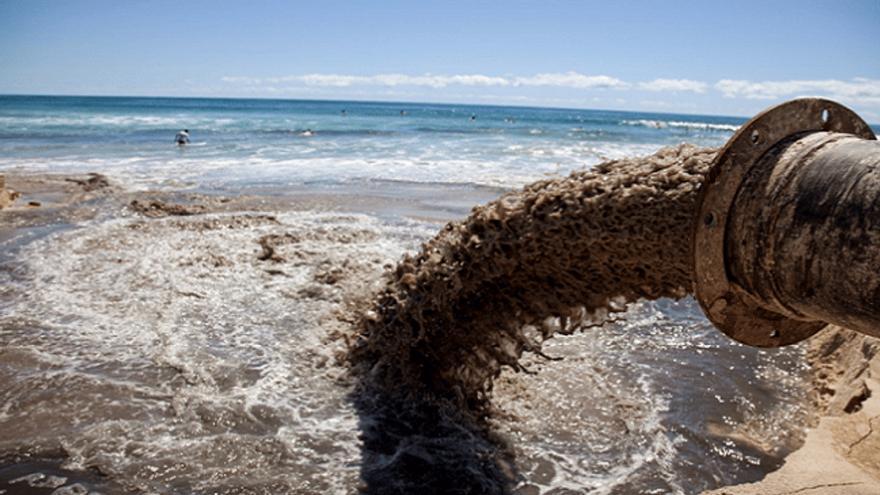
182 137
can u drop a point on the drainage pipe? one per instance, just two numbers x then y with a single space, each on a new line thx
788 234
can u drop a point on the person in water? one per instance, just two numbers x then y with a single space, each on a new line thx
182 137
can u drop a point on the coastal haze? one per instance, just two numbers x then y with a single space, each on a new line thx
181 354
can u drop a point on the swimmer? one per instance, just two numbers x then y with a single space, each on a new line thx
344 112
182 137
402 113
473 116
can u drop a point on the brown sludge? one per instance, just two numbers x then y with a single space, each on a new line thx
7 196
94 182
157 208
484 290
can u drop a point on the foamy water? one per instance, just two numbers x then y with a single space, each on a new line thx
168 355
175 359
660 403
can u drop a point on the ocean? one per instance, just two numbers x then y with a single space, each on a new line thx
172 355
238 143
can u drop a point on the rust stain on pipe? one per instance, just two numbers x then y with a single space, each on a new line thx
804 232
788 236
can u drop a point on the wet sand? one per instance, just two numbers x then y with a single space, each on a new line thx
841 453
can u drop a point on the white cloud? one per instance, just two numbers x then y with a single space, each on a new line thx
391 80
858 90
433 81
571 80
332 80
240 80
567 80
675 85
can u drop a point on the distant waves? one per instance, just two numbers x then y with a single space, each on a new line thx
663 124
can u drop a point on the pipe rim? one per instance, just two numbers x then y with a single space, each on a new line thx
728 306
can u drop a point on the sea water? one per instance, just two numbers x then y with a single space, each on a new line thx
250 142
169 356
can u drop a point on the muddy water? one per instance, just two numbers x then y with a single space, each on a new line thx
177 355
167 354
559 256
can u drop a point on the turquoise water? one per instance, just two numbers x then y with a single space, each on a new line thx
238 142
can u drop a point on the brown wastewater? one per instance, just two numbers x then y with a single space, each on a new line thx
545 344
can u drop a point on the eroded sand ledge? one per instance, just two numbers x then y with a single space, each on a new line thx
841 454
7 196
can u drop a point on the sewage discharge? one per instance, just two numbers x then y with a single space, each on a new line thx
550 258
482 291
562 255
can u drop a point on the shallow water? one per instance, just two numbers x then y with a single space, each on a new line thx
166 354
660 403
169 355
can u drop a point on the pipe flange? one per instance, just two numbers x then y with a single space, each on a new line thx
727 305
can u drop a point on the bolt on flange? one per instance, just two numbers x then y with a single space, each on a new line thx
787 236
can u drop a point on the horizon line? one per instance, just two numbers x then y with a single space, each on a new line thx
874 125
266 98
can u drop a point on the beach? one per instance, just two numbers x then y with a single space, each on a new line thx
178 323
227 350
839 454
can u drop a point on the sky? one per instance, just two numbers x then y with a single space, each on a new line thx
703 57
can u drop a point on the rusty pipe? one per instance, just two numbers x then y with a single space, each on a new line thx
788 235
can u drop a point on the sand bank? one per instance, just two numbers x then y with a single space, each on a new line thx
841 454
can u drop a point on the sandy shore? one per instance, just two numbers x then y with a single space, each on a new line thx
841 453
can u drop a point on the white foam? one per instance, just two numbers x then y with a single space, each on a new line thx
663 124
168 341
117 121
602 419
144 173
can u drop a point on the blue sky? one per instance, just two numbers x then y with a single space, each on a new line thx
689 56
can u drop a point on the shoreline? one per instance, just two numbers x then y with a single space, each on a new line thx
845 366
841 453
